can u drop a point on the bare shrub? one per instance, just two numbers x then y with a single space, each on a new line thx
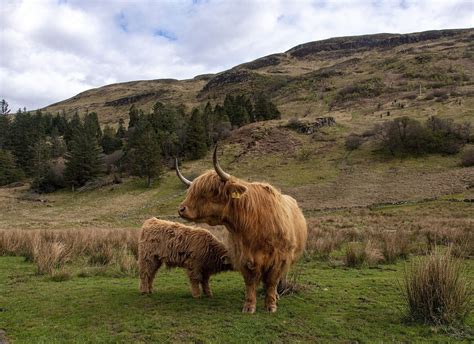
467 158
353 142
436 290
292 284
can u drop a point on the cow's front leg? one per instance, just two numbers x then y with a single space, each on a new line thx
251 277
270 281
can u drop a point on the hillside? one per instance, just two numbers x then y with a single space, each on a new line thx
341 74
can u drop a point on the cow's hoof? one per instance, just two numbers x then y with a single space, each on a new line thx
271 308
249 309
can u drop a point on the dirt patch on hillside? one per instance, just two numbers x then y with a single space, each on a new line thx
365 188
258 139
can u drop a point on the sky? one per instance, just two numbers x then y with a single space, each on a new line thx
51 50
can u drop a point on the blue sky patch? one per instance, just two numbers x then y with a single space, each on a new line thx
166 34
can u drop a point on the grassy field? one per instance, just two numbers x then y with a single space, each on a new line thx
338 305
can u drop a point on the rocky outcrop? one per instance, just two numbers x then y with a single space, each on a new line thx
135 98
383 40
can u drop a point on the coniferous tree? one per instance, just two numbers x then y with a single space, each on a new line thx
73 127
110 142
143 151
9 172
121 132
92 126
83 160
196 137
24 132
4 130
4 110
134 116
41 158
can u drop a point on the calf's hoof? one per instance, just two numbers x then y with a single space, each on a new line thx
249 309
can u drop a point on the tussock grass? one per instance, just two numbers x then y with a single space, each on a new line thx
51 250
436 290
358 254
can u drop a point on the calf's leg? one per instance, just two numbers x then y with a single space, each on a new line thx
205 285
194 279
148 267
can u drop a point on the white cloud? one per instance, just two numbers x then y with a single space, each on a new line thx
52 50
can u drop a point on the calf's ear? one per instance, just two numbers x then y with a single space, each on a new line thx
235 190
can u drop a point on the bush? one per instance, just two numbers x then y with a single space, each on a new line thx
436 290
362 89
408 136
353 142
467 158
53 180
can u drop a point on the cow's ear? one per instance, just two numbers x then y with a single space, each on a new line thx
226 260
235 190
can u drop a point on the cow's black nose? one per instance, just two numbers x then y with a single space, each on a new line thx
181 209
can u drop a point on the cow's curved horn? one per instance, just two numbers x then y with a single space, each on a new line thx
224 176
180 176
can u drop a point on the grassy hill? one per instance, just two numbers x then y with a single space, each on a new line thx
361 74
346 196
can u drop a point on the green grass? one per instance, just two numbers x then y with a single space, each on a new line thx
339 305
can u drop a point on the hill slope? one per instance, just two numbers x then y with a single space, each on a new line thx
313 78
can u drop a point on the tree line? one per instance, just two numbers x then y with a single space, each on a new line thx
57 151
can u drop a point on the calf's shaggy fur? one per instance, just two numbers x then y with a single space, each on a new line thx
177 245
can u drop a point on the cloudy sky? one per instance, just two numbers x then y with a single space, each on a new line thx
51 50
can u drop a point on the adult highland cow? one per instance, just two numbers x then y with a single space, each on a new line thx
177 245
267 228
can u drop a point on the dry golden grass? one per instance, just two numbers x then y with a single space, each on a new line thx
436 290
51 250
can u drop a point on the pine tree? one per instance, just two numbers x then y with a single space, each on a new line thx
134 115
41 158
84 159
4 130
24 132
110 142
92 126
9 172
144 153
121 132
196 137
73 127
4 110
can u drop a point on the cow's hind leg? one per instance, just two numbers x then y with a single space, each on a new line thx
148 267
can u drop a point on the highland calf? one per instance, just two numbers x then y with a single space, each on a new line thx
267 229
176 245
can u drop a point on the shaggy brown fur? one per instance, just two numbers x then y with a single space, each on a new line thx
176 245
267 229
